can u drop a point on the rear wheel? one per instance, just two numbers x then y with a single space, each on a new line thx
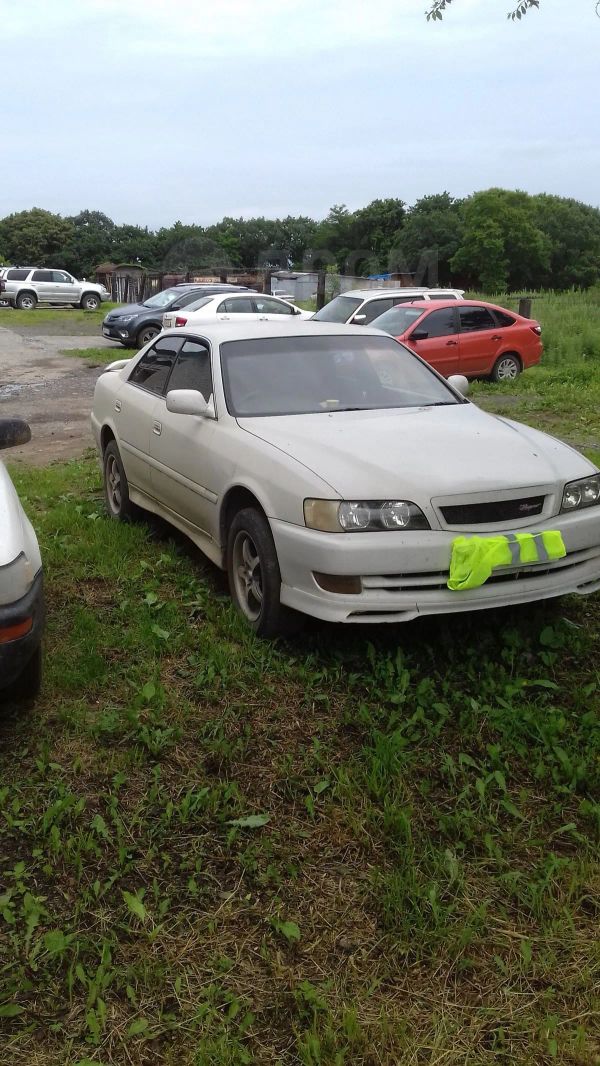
116 486
146 334
255 578
28 685
90 301
26 301
506 368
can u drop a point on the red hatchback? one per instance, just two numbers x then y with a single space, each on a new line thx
466 337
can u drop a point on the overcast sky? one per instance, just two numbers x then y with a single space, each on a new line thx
157 110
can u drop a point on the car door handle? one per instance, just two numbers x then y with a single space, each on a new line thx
117 405
451 344
263 318
157 428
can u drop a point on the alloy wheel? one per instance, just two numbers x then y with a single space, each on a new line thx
247 575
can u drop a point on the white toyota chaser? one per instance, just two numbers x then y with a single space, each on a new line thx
330 471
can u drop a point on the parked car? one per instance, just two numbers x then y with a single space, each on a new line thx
330 471
133 325
21 592
234 307
467 337
25 287
360 306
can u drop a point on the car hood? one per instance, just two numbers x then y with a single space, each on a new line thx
420 453
127 309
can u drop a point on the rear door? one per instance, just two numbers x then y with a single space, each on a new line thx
435 338
480 340
237 309
44 286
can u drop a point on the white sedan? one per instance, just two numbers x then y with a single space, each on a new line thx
235 307
330 471
21 595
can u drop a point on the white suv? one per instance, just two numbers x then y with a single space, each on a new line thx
361 306
28 286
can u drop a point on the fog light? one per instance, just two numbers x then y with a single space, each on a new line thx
342 585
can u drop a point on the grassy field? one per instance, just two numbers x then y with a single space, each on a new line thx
369 847
99 355
61 321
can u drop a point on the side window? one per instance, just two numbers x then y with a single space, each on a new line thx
189 298
265 305
374 309
42 275
63 279
475 318
153 369
406 299
502 319
17 275
192 369
439 323
236 307
442 296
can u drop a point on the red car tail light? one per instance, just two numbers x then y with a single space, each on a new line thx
180 321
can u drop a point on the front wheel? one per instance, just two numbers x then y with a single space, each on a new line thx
146 334
506 368
116 486
254 576
90 302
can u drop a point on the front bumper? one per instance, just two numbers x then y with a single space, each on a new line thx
404 575
105 297
119 332
16 654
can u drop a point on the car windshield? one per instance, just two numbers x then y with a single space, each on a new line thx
398 319
339 310
164 298
319 375
197 304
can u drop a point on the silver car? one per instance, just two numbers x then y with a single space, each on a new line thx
28 286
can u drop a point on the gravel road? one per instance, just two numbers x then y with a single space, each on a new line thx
53 392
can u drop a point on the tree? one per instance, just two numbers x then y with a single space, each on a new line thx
573 230
35 237
433 228
502 243
436 12
92 242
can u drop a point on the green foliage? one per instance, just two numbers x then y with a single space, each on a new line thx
34 238
502 246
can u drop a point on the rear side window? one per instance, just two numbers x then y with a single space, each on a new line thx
374 309
152 371
503 319
441 296
16 275
192 369
439 323
42 275
406 299
475 318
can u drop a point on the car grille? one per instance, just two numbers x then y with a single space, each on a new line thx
472 514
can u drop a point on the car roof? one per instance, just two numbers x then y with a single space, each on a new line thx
219 332
212 285
432 305
389 291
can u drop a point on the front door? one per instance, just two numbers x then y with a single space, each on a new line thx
184 449
135 407
480 340
237 309
436 340
67 291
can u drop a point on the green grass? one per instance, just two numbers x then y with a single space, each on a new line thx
99 355
11 318
368 846
570 323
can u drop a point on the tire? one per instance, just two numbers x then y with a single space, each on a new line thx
89 301
116 486
26 301
255 578
28 685
146 334
506 368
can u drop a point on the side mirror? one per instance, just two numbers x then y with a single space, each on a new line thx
418 335
359 319
460 383
296 311
14 431
187 402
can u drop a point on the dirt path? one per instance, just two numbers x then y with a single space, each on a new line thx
53 392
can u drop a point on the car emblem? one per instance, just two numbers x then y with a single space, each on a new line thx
526 508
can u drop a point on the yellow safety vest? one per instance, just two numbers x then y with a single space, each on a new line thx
474 559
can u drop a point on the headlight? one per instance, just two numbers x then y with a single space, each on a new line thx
363 516
582 493
124 319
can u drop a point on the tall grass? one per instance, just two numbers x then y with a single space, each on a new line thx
570 322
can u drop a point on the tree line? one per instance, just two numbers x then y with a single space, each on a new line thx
494 240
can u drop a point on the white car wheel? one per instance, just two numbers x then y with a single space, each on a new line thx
507 368
254 576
